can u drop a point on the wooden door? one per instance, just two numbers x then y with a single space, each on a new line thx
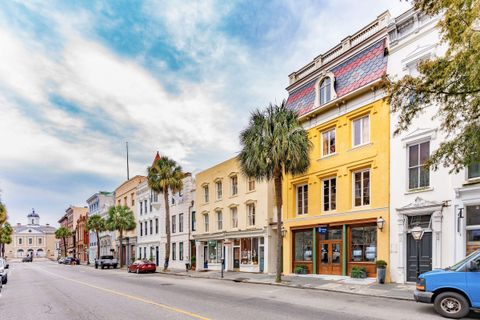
425 255
330 257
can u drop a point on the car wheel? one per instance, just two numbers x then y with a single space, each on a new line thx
115 266
102 266
128 270
96 266
5 280
451 305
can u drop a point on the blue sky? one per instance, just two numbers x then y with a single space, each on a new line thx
79 78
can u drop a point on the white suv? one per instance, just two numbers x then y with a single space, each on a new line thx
3 271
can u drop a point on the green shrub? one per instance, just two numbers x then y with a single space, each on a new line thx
381 264
301 269
358 272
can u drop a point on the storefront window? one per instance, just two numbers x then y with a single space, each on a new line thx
214 251
473 228
364 244
249 251
303 245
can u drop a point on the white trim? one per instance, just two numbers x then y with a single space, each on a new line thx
334 129
303 199
361 189
329 195
361 128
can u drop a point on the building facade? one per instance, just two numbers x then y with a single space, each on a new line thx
32 239
125 195
336 216
445 205
233 220
98 204
82 239
69 220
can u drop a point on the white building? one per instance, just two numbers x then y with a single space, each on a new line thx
99 203
445 205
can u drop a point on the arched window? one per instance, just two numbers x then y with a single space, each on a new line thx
325 90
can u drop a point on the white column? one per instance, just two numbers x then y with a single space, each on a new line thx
437 240
200 258
401 252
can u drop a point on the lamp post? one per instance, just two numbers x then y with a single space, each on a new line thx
417 234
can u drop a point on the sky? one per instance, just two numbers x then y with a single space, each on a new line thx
80 78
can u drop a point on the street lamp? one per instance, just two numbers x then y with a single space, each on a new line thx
380 223
417 234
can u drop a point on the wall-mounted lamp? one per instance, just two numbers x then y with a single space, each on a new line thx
380 223
284 232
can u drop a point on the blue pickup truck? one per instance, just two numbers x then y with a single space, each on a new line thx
454 291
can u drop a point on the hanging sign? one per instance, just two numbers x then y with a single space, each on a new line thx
322 230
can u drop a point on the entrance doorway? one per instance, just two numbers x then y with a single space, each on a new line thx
236 258
261 258
425 255
205 257
330 257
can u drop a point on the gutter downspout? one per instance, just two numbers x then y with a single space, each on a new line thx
189 230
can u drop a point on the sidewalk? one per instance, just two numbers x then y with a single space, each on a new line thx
366 287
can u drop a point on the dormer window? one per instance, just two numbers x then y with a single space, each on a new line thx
325 94
325 89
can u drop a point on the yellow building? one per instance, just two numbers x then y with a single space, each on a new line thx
125 196
336 215
234 220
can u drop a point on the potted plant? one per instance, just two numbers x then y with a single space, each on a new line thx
381 270
358 272
301 269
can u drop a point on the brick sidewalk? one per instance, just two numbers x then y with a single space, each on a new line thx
366 287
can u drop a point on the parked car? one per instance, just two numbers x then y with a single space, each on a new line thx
27 259
454 291
106 261
3 271
142 266
71 260
61 260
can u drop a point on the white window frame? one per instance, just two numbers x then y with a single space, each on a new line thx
328 131
417 143
219 216
206 222
361 131
304 212
467 172
206 195
253 181
329 195
234 217
251 214
234 185
361 188
322 90
218 189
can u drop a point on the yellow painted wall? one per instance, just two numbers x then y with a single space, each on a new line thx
346 160
125 195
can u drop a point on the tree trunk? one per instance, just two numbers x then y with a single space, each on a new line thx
167 229
65 245
278 202
98 245
120 239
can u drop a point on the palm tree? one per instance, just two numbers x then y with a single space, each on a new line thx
163 176
63 233
121 219
97 224
274 144
5 237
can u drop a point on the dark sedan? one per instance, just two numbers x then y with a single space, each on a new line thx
140 266
71 260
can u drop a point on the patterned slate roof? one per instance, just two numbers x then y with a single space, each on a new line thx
364 67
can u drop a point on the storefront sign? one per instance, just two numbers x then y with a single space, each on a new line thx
322 230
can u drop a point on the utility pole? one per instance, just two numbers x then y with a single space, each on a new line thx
128 169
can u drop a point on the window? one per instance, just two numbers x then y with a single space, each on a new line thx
473 171
141 207
329 194
194 221
251 184
146 227
325 91
141 230
234 215
218 187
361 182
251 214
145 203
303 245
219 220
174 251
173 199
473 228
328 142
174 224
205 194
151 226
234 183
30 241
361 131
125 200
156 225
364 244
418 173
205 221
133 199
144 252
180 222
302 199
140 253
155 197
20 241
214 251
180 251
249 251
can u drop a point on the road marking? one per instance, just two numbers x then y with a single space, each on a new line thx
126 295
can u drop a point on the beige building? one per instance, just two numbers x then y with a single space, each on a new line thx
32 239
125 195
234 220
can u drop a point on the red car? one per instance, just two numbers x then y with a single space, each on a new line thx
142 266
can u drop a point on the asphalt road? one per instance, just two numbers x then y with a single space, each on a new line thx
46 290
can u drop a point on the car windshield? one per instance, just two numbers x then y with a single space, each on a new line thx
461 262
107 257
138 262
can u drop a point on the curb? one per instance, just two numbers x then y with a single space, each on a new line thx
289 286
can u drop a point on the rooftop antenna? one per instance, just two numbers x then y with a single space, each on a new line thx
128 169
